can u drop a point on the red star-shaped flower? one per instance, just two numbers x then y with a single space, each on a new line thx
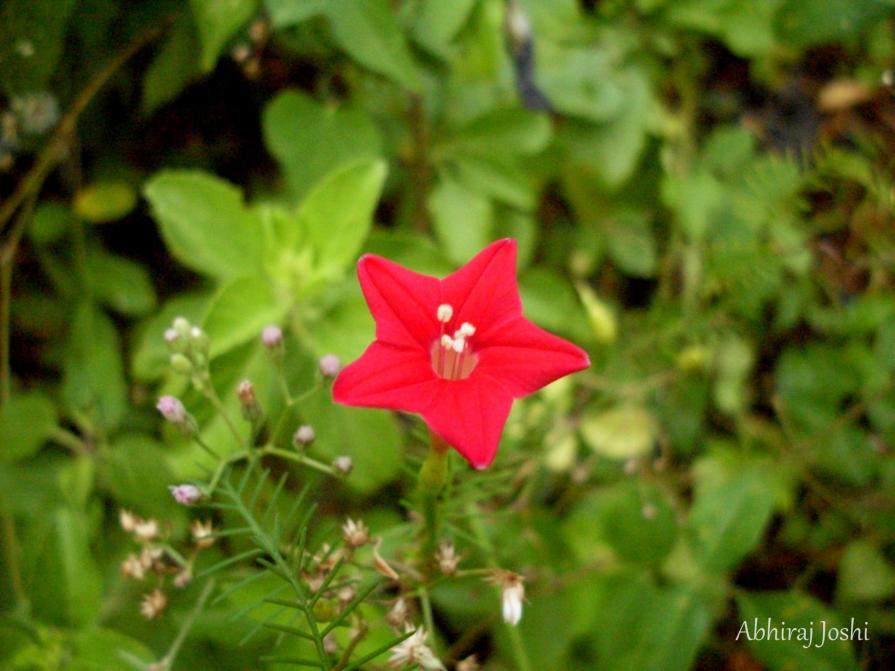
457 350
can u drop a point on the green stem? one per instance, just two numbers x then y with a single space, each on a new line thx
11 546
478 529
428 619
210 393
168 660
298 459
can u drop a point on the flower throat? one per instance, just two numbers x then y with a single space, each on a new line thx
452 356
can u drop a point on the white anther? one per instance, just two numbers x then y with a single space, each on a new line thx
459 344
466 330
446 341
445 312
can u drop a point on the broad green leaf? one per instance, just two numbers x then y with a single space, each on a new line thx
172 68
802 23
730 512
506 132
104 201
346 330
311 139
462 219
50 222
26 422
800 651
500 179
61 575
370 33
640 626
631 242
94 382
32 36
437 23
410 250
150 353
337 213
580 83
134 470
239 311
216 22
119 283
734 361
205 223
621 432
864 574
369 436
286 13
550 301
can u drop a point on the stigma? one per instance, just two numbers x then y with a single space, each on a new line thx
452 356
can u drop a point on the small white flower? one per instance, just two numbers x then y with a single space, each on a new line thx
447 559
512 594
153 604
146 530
355 533
414 650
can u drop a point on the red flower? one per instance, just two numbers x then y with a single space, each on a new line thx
457 350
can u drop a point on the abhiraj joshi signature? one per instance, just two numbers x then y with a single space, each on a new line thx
781 632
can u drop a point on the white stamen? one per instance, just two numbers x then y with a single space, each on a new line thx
459 344
446 341
445 313
467 330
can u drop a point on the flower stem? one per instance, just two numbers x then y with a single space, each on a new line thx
168 660
432 479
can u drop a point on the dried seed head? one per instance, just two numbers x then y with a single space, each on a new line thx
133 568
397 614
127 520
447 559
380 564
153 604
355 534
202 531
414 650
146 530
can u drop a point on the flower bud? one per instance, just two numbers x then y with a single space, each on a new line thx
202 533
272 337
355 533
343 464
199 340
181 364
304 435
330 365
173 411
447 559
182 326
153 604
248 402
186 495
512 594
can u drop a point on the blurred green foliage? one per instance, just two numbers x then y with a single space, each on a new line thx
702 192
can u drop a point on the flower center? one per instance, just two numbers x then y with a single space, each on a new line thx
452 356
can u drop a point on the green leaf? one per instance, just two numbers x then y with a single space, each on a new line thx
62 578
150 354
345 330
26 422
239 311
734 361
337 213
803 23
310 139
105 201
798 611
32 36
93 380
119 283
580 83
370 437
216 22
286 13
205 224
438 22
173 67
50 222
462 219
506 132
622 432
864 574
632 244
500 179
732 508
370 33
133 468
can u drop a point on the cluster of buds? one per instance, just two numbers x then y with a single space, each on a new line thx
189 345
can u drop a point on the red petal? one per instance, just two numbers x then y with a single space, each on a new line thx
469 415
524 357
386 376
403 302
484 291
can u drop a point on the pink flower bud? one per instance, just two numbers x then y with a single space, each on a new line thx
172 410
330 365
185 494
272 336
304 435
